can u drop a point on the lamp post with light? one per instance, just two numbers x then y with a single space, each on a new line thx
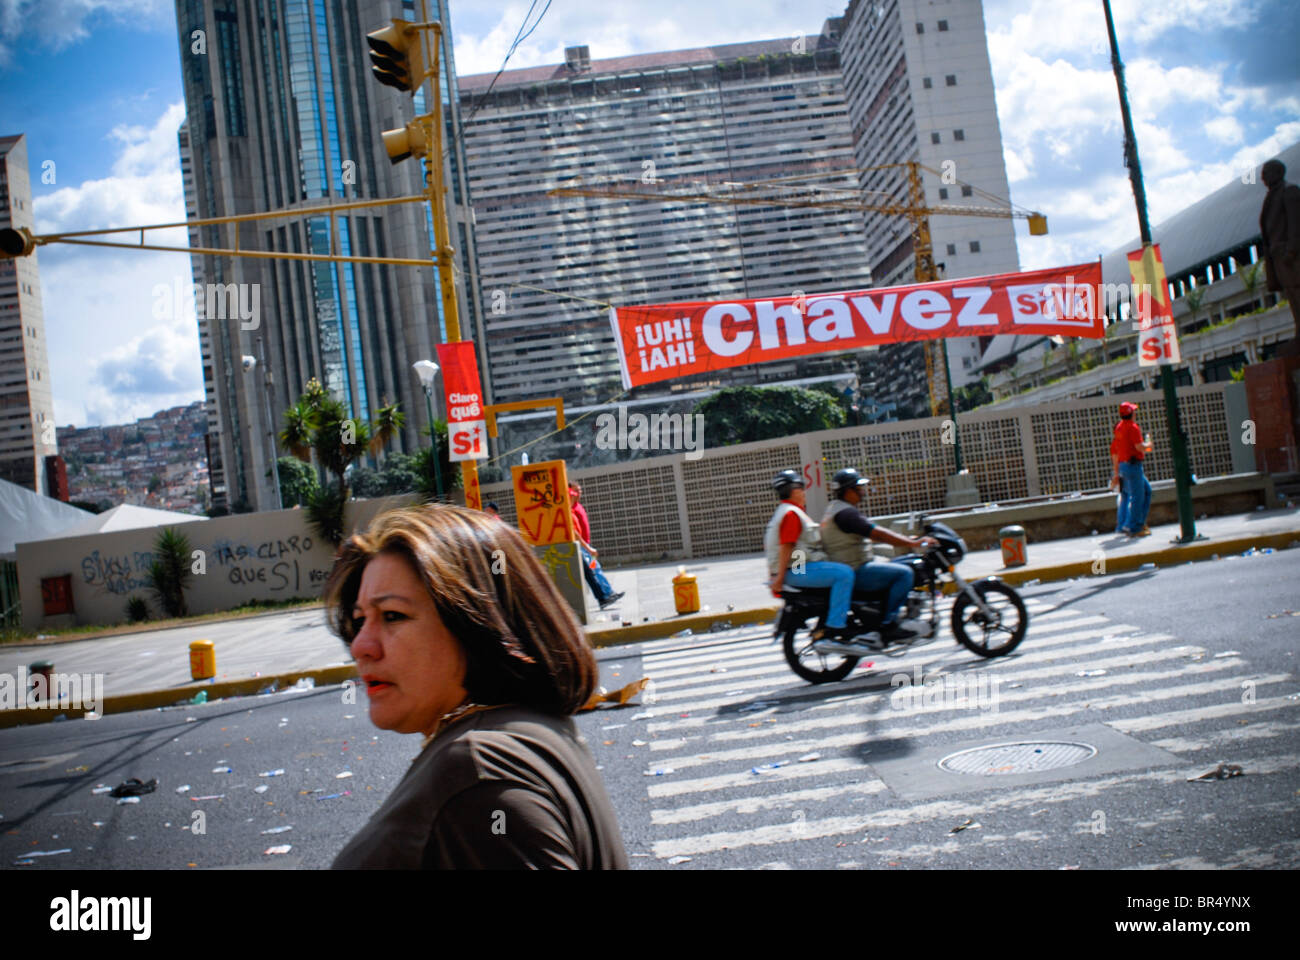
427 370
250 364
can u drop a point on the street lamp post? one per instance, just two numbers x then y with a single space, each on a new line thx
427 370
251 364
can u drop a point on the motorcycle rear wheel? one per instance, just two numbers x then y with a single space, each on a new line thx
994 637
808 663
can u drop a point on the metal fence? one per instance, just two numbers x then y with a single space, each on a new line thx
669 507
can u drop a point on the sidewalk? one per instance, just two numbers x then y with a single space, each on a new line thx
146 670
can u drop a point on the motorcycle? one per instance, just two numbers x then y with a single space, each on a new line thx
988 616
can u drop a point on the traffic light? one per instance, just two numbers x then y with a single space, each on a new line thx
16 243
396 57
406 141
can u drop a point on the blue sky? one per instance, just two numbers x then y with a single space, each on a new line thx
95 85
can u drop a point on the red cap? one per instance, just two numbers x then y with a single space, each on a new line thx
1127 408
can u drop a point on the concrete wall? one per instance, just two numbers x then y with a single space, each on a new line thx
247 557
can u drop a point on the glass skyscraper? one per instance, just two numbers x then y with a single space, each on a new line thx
283 113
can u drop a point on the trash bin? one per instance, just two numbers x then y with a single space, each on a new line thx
203 660
42 688
1013 546
686 593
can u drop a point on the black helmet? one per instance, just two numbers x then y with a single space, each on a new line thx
847 479
784 481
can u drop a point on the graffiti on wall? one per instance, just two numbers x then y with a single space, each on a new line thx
119 573
277 565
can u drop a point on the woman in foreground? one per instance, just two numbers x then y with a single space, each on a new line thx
460 635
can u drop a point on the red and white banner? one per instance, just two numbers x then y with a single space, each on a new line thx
1153 312
466 420
673 340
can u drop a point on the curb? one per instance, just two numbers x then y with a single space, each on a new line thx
663 629
179 696
1168 556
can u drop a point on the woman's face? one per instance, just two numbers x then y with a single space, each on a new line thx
412 668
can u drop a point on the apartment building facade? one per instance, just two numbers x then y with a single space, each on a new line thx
27 432
740 112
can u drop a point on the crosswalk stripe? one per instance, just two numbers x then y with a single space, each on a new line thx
744 805
1055 650
741 663
747 778
1196 714
984 721
888 699
1255 731
1053 793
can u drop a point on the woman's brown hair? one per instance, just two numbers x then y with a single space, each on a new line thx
521 641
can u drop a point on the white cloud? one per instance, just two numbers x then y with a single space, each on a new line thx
1225 129
109 359
57 24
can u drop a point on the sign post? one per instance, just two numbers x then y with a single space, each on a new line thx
546 521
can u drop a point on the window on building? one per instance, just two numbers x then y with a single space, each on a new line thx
966 191
934 138
950 80
952 249
943 193
920 27
943 25
959 134
925 82
974 246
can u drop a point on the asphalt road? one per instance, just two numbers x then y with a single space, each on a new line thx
1199 668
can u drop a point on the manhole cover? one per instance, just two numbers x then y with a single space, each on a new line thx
1022 757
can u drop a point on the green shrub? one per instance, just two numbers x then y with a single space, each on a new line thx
137 611
169 574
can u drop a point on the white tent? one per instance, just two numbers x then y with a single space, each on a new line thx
125 517
26 515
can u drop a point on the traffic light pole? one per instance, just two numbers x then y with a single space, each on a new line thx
1173 419
436 191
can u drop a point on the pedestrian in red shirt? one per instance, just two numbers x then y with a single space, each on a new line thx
1127 451
605 594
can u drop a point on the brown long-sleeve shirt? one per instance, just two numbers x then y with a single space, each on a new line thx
509 788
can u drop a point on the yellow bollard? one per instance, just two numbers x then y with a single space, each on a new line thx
203 660
686 593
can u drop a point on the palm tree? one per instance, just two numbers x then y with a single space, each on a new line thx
388 420
299 425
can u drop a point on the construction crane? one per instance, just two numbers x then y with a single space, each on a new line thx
796 192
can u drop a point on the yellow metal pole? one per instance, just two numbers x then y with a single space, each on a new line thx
443 254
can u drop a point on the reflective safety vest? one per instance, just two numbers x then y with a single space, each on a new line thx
840 546
810 540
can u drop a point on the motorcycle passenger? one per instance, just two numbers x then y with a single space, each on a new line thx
791 529
847 536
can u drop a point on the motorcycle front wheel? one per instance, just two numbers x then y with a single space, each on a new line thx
996 634
808 663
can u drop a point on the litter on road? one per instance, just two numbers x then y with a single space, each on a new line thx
968 825
676 860
660 772
1223 771
272 773
335 796
134 788
185 788
221 770
275 851
262 788
123 800
276 830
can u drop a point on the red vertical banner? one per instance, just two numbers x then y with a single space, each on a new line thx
1152 309
466 420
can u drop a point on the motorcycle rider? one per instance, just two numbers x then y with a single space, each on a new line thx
791 530
847 536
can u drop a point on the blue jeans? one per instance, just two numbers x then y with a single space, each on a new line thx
837 576
1135 497
595 577
896 578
